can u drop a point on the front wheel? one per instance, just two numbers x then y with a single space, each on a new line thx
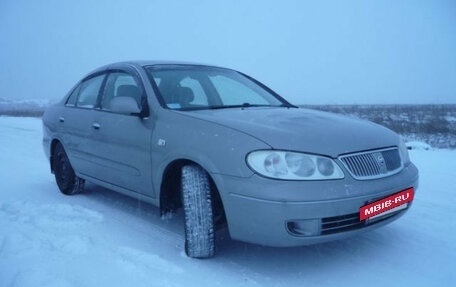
199 221
65 177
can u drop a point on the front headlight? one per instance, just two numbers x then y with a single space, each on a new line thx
404 153
293 166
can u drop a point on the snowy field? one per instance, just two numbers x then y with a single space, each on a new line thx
100 238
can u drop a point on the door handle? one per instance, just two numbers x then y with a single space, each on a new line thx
96 126
61 119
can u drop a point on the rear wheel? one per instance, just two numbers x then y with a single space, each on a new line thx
199 221
65 177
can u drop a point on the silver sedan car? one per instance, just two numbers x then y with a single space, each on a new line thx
230 152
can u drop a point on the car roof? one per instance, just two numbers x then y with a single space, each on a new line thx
141 63
155 62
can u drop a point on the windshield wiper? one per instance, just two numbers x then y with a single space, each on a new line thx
244 105
219 107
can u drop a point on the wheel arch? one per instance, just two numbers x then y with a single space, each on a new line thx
170 197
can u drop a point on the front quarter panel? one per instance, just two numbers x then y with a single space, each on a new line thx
217 149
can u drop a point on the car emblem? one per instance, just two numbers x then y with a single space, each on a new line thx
380 162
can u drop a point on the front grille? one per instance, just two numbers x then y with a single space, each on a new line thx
373 164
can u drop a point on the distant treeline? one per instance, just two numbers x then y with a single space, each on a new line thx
22 113
434 124
22 108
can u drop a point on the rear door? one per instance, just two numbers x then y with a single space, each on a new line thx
76 124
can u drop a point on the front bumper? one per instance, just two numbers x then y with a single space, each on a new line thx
292 213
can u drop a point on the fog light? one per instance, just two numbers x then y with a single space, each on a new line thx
309 227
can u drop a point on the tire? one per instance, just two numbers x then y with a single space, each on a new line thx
65 177
198 213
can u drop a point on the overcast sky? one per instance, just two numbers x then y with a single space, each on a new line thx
311 52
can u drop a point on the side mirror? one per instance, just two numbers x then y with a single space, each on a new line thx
125 105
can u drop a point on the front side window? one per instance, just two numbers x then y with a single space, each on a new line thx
88 92
188 87
120 84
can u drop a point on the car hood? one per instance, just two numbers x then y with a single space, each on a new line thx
303 130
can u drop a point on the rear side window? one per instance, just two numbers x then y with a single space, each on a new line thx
73 97
89 91
85 95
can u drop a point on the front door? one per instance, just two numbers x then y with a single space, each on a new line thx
123 141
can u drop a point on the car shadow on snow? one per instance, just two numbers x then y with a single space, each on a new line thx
348 254
344 255
142 212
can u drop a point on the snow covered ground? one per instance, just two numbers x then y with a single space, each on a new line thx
100 238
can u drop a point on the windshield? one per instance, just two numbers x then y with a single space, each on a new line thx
189 87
